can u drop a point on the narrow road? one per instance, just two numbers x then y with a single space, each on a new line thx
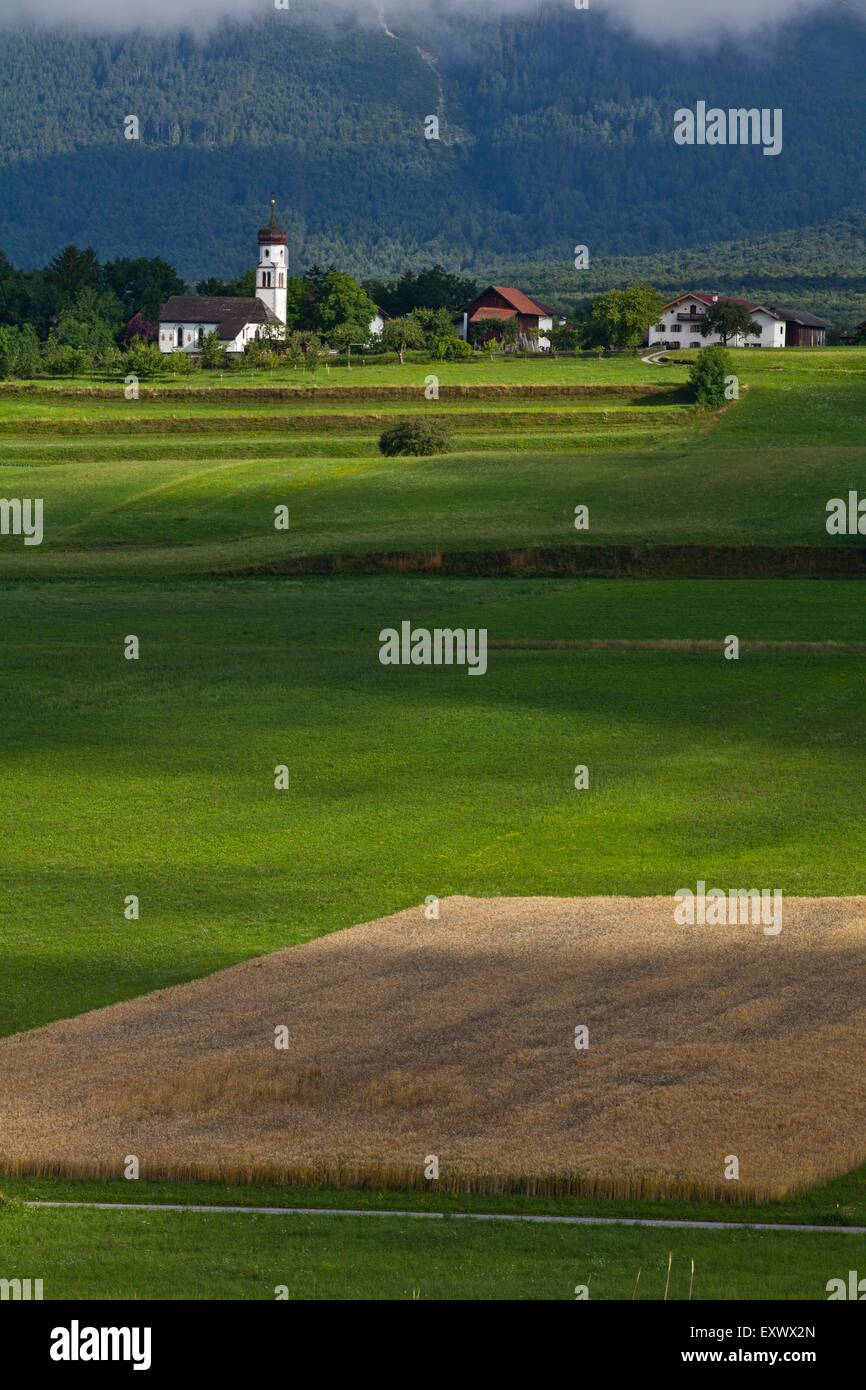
463 1216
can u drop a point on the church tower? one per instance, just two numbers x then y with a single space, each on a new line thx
273 267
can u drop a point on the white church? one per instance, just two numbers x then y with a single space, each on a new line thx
185 320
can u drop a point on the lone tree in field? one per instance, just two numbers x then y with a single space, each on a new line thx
708 376
416 437
729 320
400 334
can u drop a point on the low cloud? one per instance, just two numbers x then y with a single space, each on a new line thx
660 20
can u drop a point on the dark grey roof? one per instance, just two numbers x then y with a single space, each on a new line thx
230 312
800 316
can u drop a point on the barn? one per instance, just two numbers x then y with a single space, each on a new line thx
499 305
803 329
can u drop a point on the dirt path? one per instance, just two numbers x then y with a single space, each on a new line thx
205 1207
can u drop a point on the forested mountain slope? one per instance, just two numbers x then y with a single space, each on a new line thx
556 130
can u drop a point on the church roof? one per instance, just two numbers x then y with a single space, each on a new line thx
229 312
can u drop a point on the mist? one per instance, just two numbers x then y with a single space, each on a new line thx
659 20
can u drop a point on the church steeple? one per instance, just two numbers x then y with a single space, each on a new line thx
273 267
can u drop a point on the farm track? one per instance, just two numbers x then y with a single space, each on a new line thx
207 1209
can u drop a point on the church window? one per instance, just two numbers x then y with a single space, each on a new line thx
180 337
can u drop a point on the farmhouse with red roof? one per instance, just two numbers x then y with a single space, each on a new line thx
500 305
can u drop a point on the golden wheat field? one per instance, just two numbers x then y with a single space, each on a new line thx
409 1038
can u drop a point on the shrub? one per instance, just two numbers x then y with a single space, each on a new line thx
143 359
416 437
453 349
181 363
708 376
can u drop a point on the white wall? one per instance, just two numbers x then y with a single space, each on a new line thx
168 336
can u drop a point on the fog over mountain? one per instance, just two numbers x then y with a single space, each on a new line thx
660 20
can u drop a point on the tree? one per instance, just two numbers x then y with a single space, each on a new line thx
708 376
400 334
243 286
213 354
303 349
91 322
418 437
349 334
342 300
564 338
729 320
72 271
623 317
6 354
142 285
423 289
438 328
62 359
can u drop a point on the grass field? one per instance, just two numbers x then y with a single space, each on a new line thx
186 483
159 1255
156 777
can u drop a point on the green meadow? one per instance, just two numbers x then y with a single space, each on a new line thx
184 484
155 777
180 1255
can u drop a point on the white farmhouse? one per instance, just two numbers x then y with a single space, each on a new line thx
185 320
679 324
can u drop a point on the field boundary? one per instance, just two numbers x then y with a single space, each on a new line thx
584 562
479 391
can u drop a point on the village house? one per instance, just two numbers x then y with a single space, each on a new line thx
680 322
499 305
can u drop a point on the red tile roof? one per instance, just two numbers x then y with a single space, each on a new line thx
710 299
492 311
520 301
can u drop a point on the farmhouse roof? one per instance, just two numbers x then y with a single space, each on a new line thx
710 299
520 301
229 312
801 316
492 311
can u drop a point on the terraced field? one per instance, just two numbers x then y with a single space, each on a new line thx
185 480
